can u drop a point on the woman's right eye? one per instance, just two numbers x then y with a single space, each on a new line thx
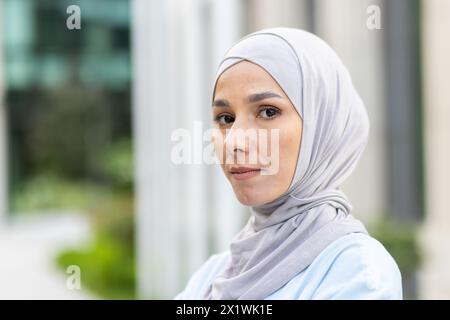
224 119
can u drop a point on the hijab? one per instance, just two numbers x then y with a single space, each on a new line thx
284 236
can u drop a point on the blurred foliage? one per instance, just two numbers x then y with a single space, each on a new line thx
49 191
64 131
69 122
108 265
74 164
400 240
116 164
67 134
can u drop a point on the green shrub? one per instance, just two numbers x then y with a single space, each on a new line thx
116 164
50 191
107 267
400 240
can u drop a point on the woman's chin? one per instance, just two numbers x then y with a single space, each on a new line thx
250 198
257 193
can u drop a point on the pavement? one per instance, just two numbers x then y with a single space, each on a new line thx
29 244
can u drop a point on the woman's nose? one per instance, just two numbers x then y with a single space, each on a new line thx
240 140
235 141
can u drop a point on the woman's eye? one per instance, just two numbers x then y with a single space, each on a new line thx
224 119
269 112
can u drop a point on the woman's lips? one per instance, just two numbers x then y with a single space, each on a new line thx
243 173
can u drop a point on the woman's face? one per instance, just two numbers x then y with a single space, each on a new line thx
247 103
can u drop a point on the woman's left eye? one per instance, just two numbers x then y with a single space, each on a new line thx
268 112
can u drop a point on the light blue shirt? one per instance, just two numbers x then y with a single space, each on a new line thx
355 266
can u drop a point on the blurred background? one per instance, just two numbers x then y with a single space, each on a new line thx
87 112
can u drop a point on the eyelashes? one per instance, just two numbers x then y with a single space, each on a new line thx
265 113
271 112
224 119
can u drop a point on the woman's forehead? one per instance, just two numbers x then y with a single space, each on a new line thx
247 78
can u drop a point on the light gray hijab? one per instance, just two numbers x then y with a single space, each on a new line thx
283 237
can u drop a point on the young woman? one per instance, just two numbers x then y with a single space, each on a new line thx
301 241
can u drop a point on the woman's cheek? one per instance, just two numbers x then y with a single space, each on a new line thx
219 147
288 150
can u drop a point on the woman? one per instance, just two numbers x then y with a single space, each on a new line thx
301 241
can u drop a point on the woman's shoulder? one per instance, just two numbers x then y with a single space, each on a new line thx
204 275
358 266
214 264
355 266
363 251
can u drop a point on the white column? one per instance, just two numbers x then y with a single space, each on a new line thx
192 111
3 131
174 206
343 25
228 214
274 13
435 240
156 226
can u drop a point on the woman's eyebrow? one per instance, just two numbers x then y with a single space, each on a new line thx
261 96
255 97
220 103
